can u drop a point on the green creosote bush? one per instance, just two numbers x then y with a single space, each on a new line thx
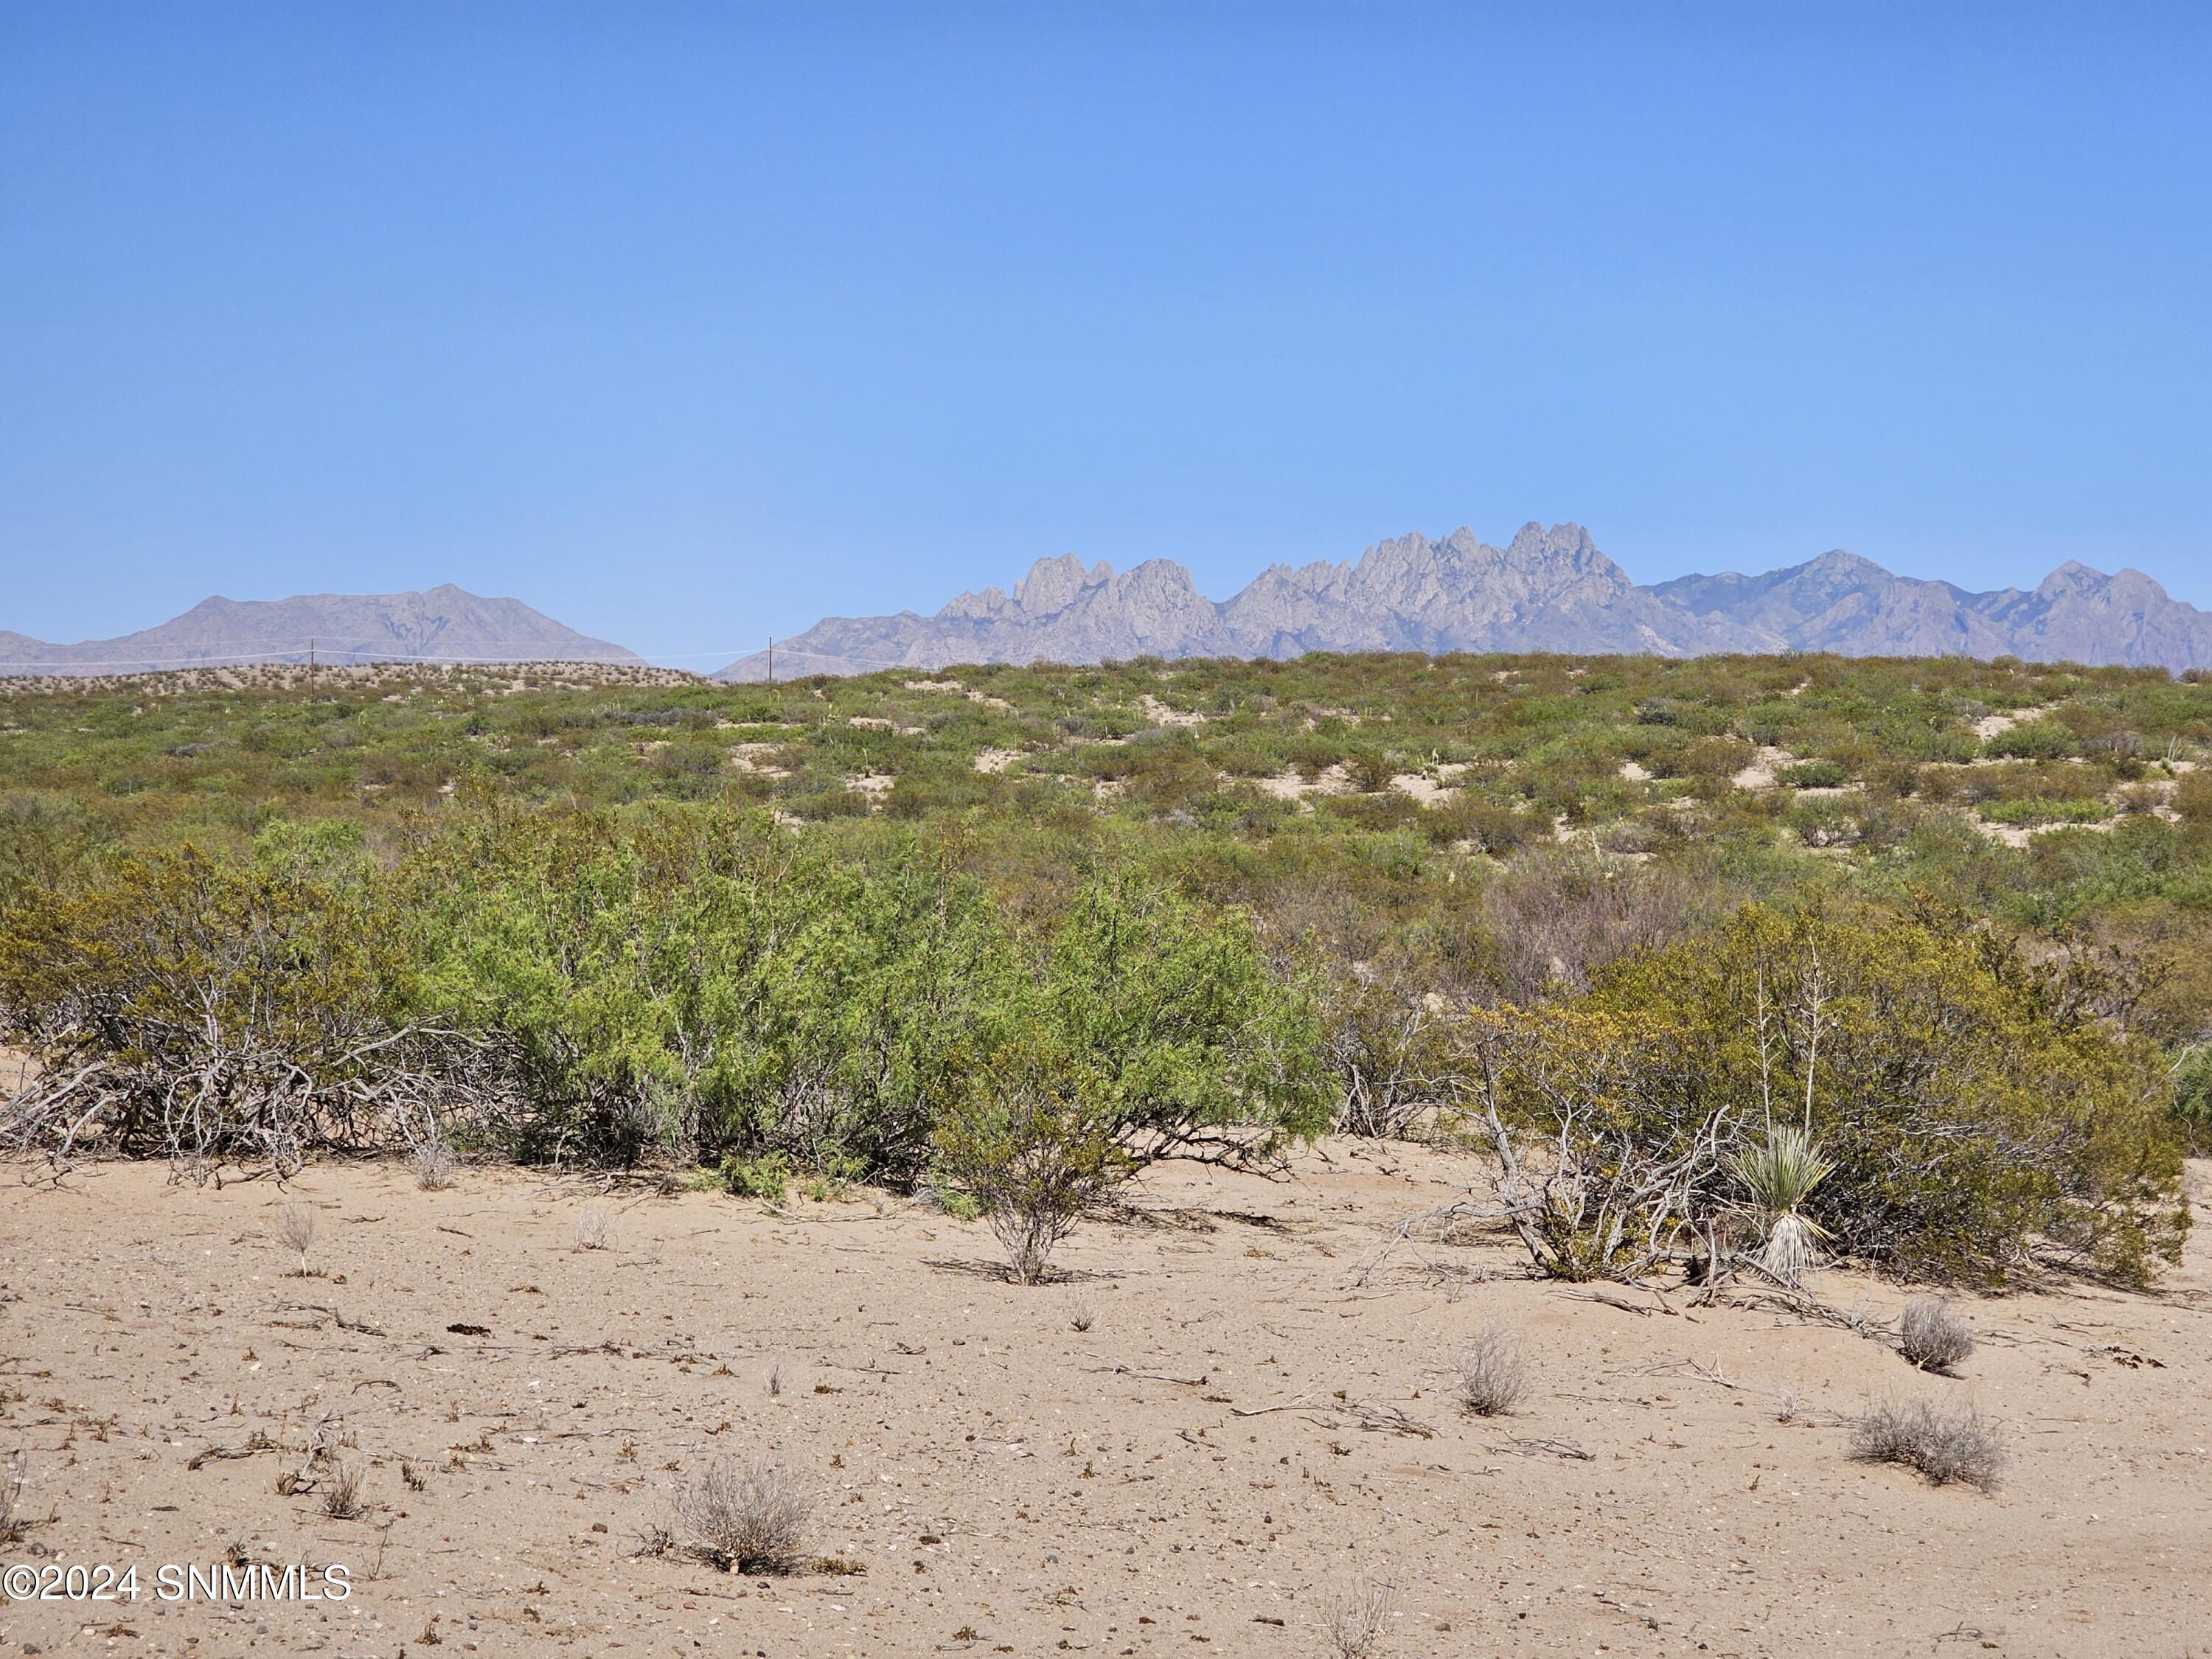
1814 775
2034 812
2032 740
1979 1119
1032 1144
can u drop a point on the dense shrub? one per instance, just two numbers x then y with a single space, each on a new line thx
2032 740
1976 1111
208 1011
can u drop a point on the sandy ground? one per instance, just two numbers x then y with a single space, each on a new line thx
1011 1484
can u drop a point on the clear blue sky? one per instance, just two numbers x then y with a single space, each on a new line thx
690 323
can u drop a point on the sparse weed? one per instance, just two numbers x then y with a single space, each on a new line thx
1945 1445
341 1499
594 1228
295 1231
433 1163
1354 1619
1494 1374
1083 1313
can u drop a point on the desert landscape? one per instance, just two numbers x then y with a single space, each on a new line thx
1228 1414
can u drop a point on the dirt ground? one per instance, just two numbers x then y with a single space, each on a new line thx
1012 1485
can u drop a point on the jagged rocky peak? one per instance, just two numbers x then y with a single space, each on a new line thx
1054 584
1548 589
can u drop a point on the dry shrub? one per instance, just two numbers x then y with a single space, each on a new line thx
593 1229
1931 1336
1945 1445
1560 916
1494 1374
1356 1617
746 1517
433 1164
342 1490
295 1231
1082 1313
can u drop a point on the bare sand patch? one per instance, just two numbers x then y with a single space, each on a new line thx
747 757
1765 765
1989 725
1420 786
1161 714
1295 786
1242 1425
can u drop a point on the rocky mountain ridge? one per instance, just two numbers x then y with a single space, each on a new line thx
446 624
1546 589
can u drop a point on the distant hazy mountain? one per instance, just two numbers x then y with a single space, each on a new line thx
1549 590
445 623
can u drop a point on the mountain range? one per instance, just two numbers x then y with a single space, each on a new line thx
446 624
1546 589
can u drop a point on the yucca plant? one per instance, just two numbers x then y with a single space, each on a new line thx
1780 1173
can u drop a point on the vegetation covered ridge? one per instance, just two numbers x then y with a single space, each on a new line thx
1617 926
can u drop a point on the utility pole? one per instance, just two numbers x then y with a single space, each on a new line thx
311 667
771 659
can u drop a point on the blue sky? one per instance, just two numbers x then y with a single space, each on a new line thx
691 323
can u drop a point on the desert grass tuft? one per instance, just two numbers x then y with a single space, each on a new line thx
1494 1374
1931 1336
1354 1619
594 1229
295 1231
341 1499
433 1164
1945 1445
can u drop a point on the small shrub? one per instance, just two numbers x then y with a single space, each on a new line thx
342 1490
2020 812
1814 775
1082 1313
743 1517
433 1163
1931 1336
767 1177
1945 1446
1355 1619
1494 1374
1025 1148
593 1230
2033 740
295 1231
